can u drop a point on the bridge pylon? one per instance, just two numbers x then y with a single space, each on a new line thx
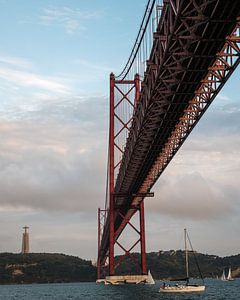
124 97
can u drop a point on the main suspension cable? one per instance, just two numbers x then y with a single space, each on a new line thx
143 29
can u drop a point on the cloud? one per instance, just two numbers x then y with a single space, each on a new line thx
72 233
53 147
201 182
29 79
56 163
15 61
46 107
195 197
51 168
54 156
72 20
93 66
23 89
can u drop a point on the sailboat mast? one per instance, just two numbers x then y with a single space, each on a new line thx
186 252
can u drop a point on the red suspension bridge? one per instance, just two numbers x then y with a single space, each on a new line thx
184 53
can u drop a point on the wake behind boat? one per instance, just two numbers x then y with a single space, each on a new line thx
184 288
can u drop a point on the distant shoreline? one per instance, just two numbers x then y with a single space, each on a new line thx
44 268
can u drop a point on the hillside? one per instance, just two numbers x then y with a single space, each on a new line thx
52 268
44 268
171 264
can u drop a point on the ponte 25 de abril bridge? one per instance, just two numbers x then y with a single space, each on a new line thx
184 53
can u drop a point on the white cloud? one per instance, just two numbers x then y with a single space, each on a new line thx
195 196
93 66
51 167
15 61
28 79
201 182
71 19
54 159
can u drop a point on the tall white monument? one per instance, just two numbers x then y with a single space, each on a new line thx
25 241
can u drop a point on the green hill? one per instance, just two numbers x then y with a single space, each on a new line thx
171 264
44 268
54 268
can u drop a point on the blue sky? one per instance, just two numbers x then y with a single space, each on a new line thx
55 60
69 39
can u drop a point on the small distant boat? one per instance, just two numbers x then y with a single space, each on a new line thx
184 288
229 277
150 279
223 277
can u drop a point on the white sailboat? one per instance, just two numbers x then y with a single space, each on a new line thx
223 277
229 277
183 288
150 279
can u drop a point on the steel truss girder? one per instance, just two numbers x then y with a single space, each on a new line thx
154 84
163 120
218 73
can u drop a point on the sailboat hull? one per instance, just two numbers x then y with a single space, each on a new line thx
183 289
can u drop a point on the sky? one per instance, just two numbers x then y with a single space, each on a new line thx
55 61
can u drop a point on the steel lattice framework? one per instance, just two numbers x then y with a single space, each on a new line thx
195 49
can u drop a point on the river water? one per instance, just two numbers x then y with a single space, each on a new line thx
216 290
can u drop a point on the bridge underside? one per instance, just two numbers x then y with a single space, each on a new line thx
195 50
